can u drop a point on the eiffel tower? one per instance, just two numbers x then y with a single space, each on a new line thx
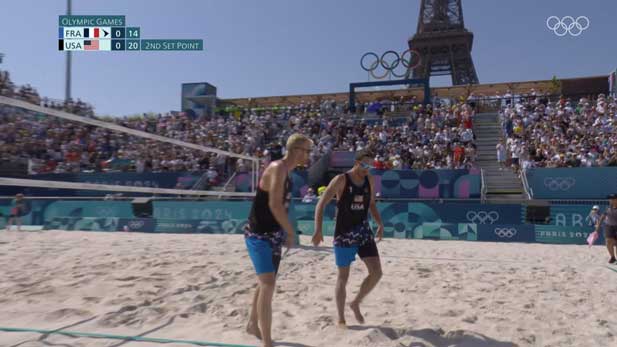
443 43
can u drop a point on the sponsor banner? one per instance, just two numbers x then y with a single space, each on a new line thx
147 225
573 183
566 235
176 226
428 184
92 208
401 220
479 213
443 231
208 210
507 233
228 226
573 215
144 225
83 223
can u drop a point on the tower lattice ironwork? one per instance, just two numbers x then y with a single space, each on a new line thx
443 43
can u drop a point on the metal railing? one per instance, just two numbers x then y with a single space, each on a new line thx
528 190
229 180
484 189
200 182
603 202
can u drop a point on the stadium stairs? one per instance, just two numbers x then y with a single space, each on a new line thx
502 185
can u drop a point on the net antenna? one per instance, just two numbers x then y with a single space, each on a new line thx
118 128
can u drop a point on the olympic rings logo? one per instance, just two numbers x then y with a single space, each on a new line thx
564 26
136 224
389 61
505 232
482 217
559 183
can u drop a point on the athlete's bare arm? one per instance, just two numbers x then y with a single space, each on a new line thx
334 189
274 183
374 210
600 221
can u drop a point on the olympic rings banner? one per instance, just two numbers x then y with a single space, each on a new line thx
463 221
507 233
567 25
390 63
409 220
573 183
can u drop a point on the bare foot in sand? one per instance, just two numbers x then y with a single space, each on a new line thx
342 325
253 329
355 307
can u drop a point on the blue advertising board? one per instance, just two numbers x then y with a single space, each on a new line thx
572 183
507 233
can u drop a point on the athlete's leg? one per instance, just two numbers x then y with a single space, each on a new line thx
610 234
266 266
373 265
253 325
9 224
341 293
610 244
264 306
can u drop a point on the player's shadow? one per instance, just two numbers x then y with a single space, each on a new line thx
438 338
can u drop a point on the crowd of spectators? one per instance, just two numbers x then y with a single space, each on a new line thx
425 138
29 94
561 133
418 137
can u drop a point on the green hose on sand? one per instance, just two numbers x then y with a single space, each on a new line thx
118 337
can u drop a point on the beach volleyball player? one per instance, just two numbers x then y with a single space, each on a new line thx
610 227
269 228
18 209
355 194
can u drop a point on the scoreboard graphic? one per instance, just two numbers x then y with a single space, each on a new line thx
110 33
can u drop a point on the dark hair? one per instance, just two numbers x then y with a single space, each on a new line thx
363 154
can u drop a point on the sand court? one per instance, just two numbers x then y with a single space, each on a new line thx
199 287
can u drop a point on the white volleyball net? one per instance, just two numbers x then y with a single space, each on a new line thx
53 141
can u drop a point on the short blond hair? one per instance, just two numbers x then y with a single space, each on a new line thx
297 139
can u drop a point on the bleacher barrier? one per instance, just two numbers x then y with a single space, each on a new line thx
572 183
418 220
426 184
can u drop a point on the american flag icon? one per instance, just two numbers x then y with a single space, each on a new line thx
91 45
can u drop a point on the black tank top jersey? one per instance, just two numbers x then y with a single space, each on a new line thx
352 207
611 216
261 219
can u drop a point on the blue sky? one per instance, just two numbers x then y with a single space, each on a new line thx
283 47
